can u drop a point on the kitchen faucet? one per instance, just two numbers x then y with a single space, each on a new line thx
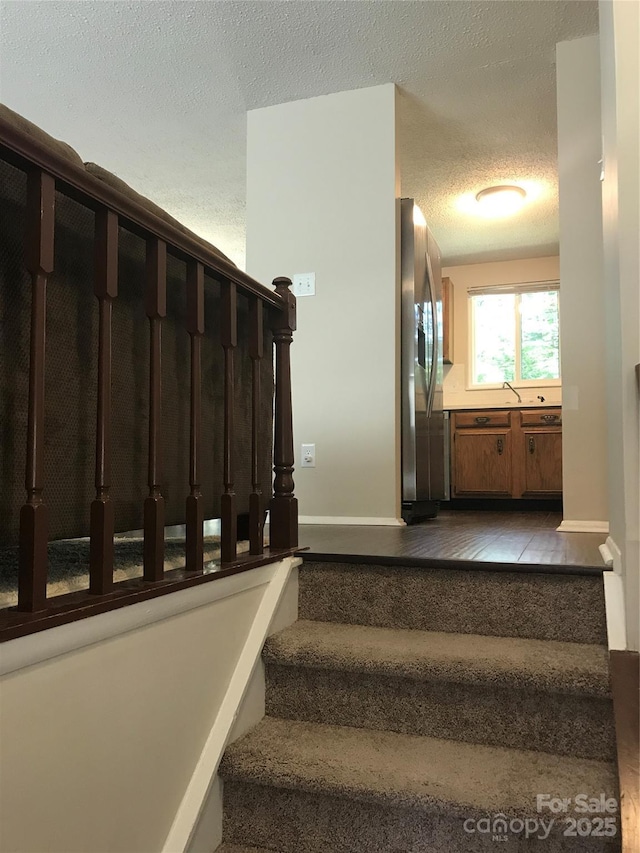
506 384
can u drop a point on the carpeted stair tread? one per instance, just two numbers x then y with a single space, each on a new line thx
292 821
407 771
462 658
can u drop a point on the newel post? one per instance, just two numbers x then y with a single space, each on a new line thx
284 505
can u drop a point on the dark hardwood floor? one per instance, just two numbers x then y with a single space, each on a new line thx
509 538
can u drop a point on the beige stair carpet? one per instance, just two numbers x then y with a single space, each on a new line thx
416 710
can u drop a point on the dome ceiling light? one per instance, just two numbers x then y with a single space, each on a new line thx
501 200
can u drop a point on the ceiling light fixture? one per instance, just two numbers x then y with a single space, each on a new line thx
501 200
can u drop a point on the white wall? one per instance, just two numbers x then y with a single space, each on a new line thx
456 392
98 744
582 299
620 80
321 188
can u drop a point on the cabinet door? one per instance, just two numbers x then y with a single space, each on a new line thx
447 320
482 463
542 470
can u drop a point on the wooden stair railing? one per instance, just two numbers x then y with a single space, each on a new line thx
40 213
156 309
256 502
195 327
102 513
229 343
49 172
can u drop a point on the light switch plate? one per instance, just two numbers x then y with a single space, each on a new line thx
304 284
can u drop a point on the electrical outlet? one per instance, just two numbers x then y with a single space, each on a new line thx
304 284
308 456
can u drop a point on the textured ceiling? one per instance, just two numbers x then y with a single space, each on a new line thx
158 93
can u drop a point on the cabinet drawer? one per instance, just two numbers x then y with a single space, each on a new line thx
541 417
489 418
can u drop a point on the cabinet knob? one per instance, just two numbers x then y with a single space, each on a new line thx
500 445
532 445
549 419
482 419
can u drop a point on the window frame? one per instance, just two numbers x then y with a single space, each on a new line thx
517 290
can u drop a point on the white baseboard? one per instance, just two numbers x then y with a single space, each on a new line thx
614 607
605 553
616 554
207 834
348 519
204 779
569 526
614 596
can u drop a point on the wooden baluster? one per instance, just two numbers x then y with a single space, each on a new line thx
229 335
195 504
256 500
283 527
156 308
102 512
34 516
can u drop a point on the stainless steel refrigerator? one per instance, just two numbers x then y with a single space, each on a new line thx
424 438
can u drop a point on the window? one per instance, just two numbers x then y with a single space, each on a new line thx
515 334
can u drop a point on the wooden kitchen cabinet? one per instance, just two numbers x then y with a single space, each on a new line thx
507 453
482 463
542 469
447 320
541 452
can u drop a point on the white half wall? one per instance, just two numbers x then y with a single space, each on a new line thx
103 721
198 825
582 297
322 182
620 86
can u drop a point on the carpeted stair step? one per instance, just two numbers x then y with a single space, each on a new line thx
537 605
520 693
240 848
300 787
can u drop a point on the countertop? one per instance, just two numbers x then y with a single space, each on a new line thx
514 405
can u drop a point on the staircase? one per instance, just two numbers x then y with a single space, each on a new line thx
421 710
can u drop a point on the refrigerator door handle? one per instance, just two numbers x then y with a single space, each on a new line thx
422 352
434 335
422 349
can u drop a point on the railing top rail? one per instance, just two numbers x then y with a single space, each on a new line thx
26 150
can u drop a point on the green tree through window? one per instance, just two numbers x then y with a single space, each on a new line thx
540 335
